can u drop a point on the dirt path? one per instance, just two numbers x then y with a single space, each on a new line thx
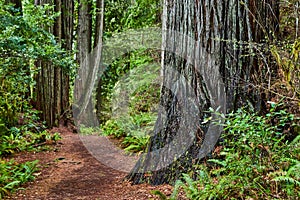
71 172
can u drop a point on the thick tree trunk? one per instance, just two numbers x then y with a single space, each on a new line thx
88 58
52 92
204 64
84 47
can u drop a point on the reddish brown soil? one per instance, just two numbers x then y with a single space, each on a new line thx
69 171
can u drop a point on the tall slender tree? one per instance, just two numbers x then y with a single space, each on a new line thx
207 61
52 91
89 45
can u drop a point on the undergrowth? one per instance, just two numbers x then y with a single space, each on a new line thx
134 102
28 137
257 159
14 174
23 41
127 95
17 139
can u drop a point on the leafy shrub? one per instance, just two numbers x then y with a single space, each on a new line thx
12 174
134 125
88 130
256 161
114 74
286 56
134 139
111 127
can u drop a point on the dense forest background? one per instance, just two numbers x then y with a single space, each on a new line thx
52 75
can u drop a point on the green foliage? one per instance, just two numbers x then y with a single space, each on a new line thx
134 122
121 15
29 134
256 161
88 130
134 143
13 175
142 13
145 98
286 56
24 40
133 61
132 132
111 127
161 195
134 125
19 140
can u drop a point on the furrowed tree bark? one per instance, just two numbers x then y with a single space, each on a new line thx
207 60
63 30
52 91
88 57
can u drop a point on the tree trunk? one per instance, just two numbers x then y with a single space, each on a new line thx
204 64
88 58
52 92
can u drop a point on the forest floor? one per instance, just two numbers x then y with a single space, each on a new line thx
69 171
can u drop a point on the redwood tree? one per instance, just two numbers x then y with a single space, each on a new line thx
89 45
52 91
207 61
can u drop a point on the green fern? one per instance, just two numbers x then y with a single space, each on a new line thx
161 195
296 141
219 162
287 179
178 185
135 143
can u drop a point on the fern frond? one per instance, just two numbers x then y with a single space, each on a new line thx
219 162
177 186
286 179
295 171
159 194
296 140
291 160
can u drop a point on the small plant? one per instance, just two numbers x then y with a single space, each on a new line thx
13 175
135 143
111 127
17 141
132 133
89 130
287 58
